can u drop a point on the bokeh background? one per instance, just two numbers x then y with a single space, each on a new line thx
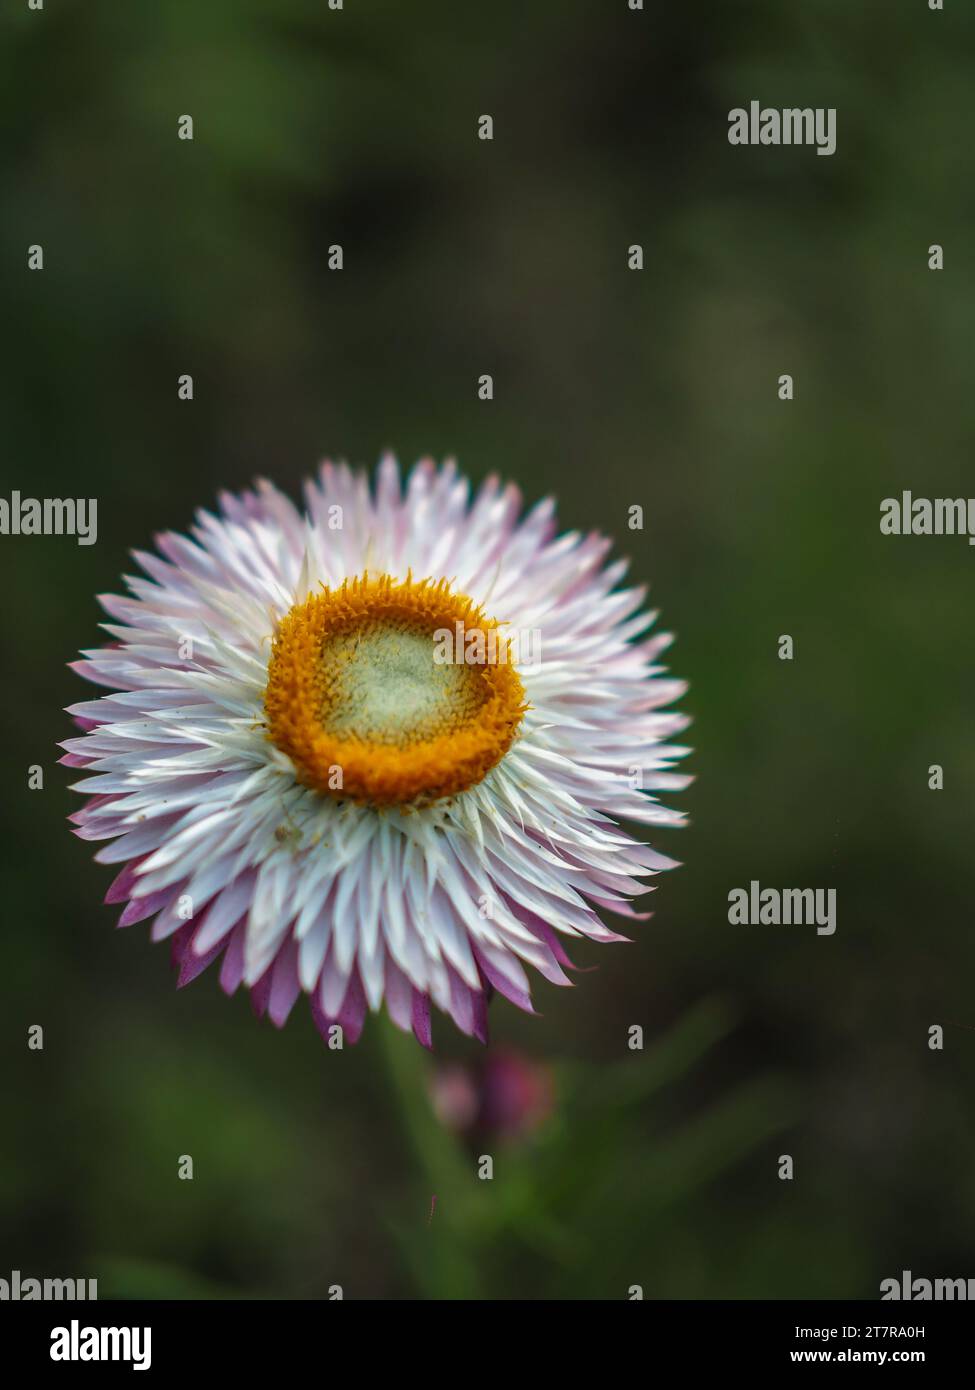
613 388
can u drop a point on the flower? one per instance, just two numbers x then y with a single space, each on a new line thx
509 1096
333 758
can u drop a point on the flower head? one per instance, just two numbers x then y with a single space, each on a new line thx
374 750
509 1096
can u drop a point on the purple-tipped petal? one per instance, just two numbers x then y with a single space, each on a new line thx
285 985
261 993
141 908
232 969
421 1019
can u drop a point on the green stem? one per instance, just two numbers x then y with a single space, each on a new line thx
441 1249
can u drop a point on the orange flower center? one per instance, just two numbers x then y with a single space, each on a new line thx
391 692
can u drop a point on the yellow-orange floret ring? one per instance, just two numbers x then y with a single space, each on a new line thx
391 692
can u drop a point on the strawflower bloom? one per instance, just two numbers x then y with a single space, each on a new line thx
376 750
509 1096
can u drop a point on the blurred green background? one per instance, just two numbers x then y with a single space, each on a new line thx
612 388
